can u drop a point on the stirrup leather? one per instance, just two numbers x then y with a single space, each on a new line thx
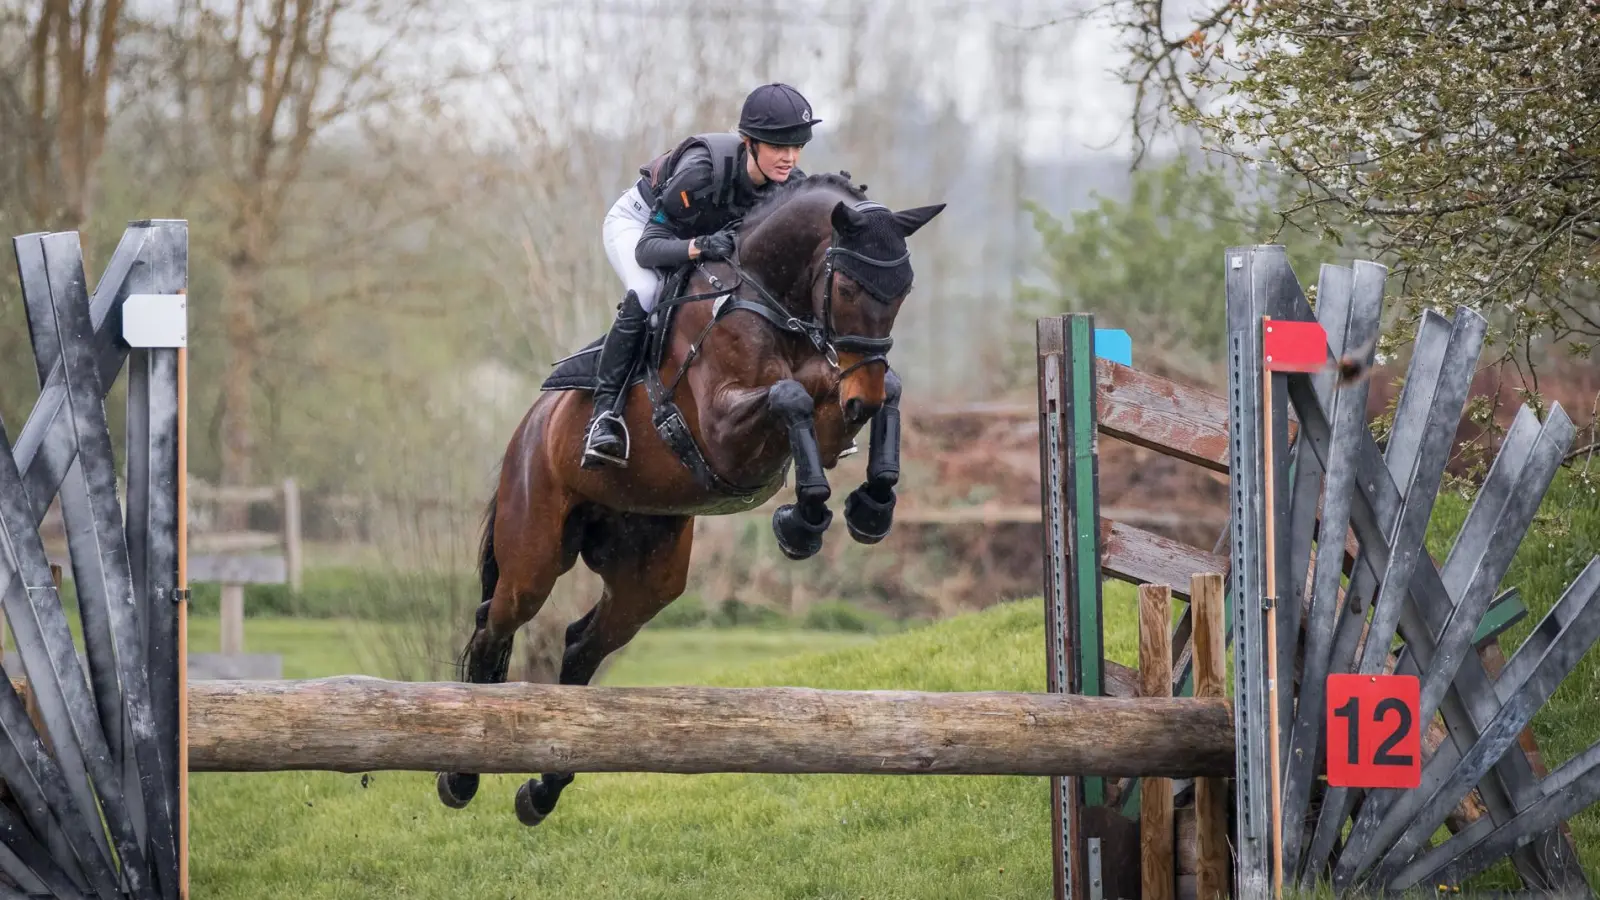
627 443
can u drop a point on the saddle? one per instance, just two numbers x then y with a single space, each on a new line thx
579 372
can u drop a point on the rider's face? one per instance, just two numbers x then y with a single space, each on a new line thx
775 162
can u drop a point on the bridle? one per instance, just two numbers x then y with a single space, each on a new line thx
822 333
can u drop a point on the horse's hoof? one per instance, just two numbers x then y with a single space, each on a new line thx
530 797
456 789
797 538
867 519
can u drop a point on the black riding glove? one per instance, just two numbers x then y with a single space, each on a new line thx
716 246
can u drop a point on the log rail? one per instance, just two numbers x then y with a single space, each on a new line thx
359 724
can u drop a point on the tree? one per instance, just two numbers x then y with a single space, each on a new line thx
57 62
1152 264
1458 142
54 89
282 105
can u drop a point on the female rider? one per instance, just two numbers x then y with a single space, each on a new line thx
686 206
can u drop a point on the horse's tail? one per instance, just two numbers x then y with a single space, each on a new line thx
488 566
488 577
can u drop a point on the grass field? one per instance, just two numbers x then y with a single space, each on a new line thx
322 835
614 835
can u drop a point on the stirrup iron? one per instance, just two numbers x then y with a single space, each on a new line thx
627 442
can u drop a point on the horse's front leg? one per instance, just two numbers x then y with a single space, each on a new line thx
799 525
869 510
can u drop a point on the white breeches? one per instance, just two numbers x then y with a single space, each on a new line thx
624 222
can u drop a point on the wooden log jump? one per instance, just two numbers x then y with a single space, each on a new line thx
359 724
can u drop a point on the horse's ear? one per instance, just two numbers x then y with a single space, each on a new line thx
845 219
909 220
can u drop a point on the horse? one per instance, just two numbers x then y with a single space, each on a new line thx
773 359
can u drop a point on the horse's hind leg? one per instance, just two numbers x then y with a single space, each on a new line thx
525 549
644 562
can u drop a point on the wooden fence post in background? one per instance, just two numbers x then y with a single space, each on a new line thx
291 532
231 609
231 573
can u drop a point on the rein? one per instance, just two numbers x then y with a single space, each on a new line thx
821 333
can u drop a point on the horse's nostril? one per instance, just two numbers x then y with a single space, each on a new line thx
857 411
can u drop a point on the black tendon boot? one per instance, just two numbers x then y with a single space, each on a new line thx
608 435
799 526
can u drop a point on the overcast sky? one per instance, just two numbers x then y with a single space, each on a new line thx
1070 101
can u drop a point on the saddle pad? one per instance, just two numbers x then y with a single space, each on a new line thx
579 371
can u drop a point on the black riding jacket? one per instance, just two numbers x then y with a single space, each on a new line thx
690 203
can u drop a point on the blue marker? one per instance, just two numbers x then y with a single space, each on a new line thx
1113 344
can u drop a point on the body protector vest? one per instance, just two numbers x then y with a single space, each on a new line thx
724 148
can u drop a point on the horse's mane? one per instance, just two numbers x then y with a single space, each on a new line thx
838 182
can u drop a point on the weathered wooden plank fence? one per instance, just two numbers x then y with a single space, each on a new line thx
1331 479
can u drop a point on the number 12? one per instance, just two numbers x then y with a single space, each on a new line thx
1351 712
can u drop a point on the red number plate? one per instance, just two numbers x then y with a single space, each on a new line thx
1374 738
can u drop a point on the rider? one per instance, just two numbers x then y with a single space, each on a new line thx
685 207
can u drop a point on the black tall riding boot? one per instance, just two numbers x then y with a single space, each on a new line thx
608 435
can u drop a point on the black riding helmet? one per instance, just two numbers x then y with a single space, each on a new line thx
776 114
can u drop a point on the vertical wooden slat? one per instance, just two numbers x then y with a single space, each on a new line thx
1210 794
1155 804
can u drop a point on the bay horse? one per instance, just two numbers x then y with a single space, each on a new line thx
774 359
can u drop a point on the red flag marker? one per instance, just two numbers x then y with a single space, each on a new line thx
1293 346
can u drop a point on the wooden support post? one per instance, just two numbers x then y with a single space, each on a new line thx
1155 806
291 532
232 612
1269 471
1210 794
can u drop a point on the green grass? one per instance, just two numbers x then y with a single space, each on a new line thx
696 656
320 835
614 835
314 648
